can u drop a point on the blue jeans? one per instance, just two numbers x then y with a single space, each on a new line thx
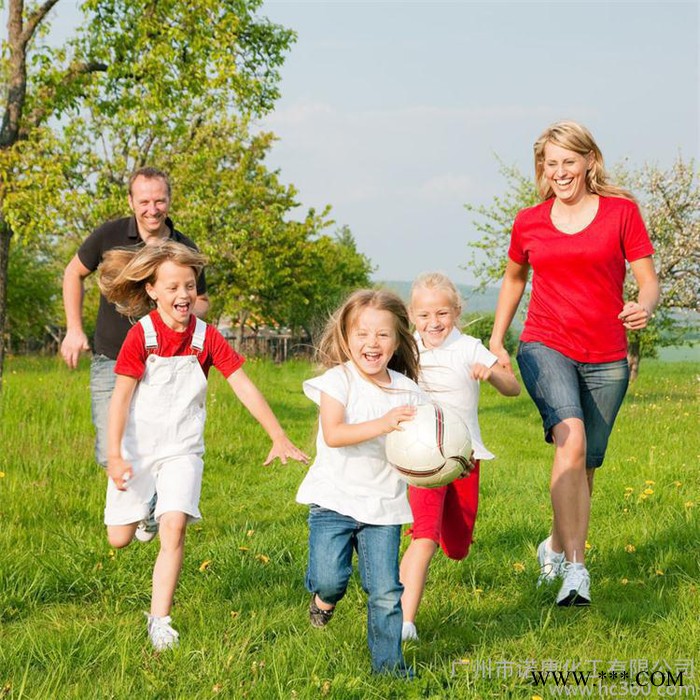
564 388
332 538
102 379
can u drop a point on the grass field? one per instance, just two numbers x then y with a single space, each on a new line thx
71 609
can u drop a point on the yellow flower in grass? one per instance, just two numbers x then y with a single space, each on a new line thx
536 697
688 504
648 492
205 565
643 497
630 548
587 545
518 567
678 484
2 474
624 581
263 558
649 482
659 572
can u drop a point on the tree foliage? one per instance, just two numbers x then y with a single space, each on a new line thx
670 203
168 83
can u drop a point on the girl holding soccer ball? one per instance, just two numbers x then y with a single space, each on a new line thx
452 365
356 499
573 348
157 410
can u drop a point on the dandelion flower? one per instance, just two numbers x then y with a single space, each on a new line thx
250 533
518 567
649 482
624 581
678 484
205 565
2 474
263 558
659 572
587 545
648 492
630 548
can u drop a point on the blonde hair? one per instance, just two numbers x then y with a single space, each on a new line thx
575 137
441 282
125 272
334 349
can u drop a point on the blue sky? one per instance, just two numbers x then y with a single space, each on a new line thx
394 112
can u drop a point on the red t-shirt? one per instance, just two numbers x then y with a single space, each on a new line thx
216 351
577 279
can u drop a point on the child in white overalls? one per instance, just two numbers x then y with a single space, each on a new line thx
158 408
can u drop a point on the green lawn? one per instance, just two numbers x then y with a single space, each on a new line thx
71 609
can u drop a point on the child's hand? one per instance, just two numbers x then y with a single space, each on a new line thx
390 421
285 449
471 466
480 372
119 472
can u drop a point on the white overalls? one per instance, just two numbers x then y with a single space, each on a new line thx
164 435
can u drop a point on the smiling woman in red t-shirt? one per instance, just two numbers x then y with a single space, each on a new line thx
573 348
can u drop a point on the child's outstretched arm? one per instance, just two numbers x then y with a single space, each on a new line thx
117 468
499 377
338 433
249 395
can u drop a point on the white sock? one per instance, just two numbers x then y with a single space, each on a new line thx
409 631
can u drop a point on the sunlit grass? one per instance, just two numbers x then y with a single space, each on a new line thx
71 622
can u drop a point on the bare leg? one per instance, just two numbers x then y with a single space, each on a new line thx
167 568
120 536
414 573
570 490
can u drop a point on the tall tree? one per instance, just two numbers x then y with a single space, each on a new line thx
139 76
670 203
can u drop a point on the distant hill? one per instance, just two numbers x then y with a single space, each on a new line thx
471 299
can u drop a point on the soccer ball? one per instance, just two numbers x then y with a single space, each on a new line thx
431 450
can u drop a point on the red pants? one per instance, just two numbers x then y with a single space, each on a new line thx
447 514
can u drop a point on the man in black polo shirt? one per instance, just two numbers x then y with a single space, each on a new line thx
149 200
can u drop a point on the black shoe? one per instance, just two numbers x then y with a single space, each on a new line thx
318 617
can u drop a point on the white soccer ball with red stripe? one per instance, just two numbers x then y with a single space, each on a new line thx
432 449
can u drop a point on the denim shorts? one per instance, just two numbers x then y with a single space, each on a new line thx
564 388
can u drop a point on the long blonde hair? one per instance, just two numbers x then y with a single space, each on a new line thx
575 137
334 349
125 272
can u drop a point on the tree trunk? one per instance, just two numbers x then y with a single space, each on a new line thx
633 358
5 237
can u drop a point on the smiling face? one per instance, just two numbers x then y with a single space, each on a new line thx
565 172
174 291
372 341
150 202
434 314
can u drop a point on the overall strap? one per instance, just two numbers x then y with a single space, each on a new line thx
149 331
200 331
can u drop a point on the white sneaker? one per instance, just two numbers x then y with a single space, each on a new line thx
148 528
550 562
161 634
409 632
576 588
